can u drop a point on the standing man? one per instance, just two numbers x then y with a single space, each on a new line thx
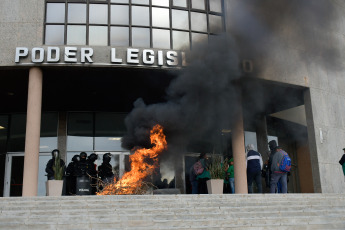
274 162
342 161
254 167
204 176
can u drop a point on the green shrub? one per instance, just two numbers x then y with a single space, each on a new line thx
58 168
216 167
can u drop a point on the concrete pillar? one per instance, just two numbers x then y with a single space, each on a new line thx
62 136
239 152
312 142
261 137
32 136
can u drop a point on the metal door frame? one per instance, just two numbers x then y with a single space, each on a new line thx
8 171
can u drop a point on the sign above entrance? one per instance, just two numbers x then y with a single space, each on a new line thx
99 56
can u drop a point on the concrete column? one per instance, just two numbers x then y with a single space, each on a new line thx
239 153
261 137
62 136
32 136
312 142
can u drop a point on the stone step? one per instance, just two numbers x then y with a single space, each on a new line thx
228 211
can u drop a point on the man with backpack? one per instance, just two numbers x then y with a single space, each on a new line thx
280 165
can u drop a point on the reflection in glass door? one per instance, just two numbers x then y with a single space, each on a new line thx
189 161
13 184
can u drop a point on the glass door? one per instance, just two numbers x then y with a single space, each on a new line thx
14 167
14 174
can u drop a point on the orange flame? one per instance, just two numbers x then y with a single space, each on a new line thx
140 169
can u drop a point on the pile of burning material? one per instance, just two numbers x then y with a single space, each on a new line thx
143 163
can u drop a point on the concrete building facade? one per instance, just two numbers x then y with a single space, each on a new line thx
71 73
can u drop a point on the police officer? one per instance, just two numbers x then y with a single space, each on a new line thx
70 175
105 170
93 172
82 171
49 167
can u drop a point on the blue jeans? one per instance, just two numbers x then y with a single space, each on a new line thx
275 177
232 185
194 187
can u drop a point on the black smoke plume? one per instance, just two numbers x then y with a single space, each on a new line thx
199 100
272 33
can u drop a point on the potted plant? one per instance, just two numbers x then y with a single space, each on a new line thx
216 168
54 187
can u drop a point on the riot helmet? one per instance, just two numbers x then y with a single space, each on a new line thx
55 153
107 157
83 155
93 157
75 158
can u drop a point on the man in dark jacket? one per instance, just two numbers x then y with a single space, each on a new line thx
274 162
49 167
254 167
70 175
105 170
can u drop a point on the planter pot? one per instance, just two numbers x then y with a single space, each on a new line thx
215 186
54 187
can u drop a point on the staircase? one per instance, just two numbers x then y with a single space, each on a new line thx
227 211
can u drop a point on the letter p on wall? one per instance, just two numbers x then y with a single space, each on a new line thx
21 52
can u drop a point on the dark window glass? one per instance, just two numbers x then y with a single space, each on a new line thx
49 126
17 133
109 128
80 132
3 133
215 23
199 38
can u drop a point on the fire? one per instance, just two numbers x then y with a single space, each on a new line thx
143 163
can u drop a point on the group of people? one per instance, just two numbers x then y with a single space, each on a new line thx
276 179
82 169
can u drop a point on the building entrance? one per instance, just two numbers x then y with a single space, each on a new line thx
13 183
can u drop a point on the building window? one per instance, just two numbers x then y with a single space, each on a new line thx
133 23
